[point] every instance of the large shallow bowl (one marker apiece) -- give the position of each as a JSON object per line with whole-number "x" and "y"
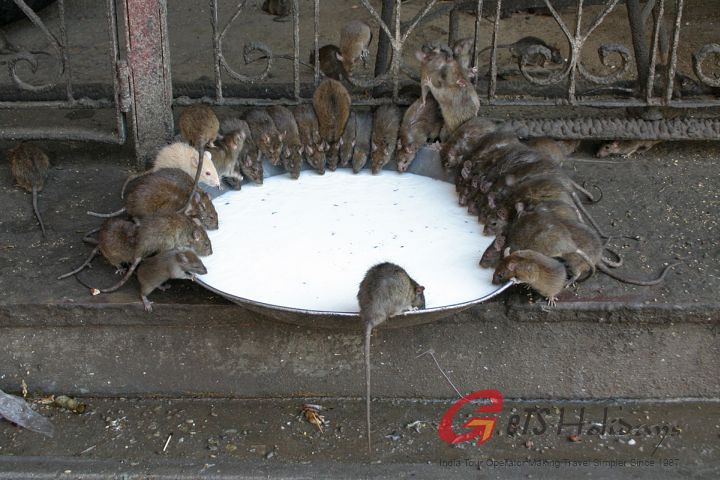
{"x": 426, "y": 164}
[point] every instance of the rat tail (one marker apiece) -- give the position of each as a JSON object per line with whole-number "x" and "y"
{"x": 37, "y": 211}
{"x": 88, "y": 239}
{"x": 585, "y": 192}
{"x": 368, "y": 335}
{"x": 84, "y": 264}
{"x": 130, "y": 179}
{"x": 198, "y": 172}
{"x": 125, "y": 278}
{"x": 633, "y": 281}
{"x": 587, "y": 215}
{"x": 107, "y": 215}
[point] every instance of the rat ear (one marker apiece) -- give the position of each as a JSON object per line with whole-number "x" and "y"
{"x": 373, "y": 147}
{"x": 399, "y": 145}
{"x": 309, "y": 150}
{"x": 181, "y": 257}
{"x": 512, "y": 266}
{"x": 461, "y": 82}
{"x": 196, "y": 221}
{"x": 419, "y": 289}
{"x": 506, "y": 252}
{"x": 197, "y": 234}
{"x": 421, "y": 54}
{"x": 338, "y": 56}
{"x": 207, "y": 156}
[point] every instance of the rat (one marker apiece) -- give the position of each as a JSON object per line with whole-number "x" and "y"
{"x": 309, "y": 131}
{"x": 355, "y": 38}
{"x": 362, "y": 148}
{"x": 280, "y": 8}
{"x": 225, "y": 157}
{"x": 116, "y": 242}
{"x": 347, "y": 142}
{"x": 558, "y": 150}
{"x": 154, "y": 271}
{"x": 250, "y": 163}
{"x": 464, "y": 140}
{"x": 544, "y": 274}
{"x": 489, "y": 149}
{"x": 292, "y": 151}
{"x": 200, "y": 127}
{"x": 29, "y": 166}
{"x": 163, "y": 192}
{"x": 386, "y": 123}
{"x": 462, "y": 50}
{"x": 267, "y": 137}
{"x": 161, "y": 233}
{"x": 625, "y": 148}
{"x": 420, "y": 123}
{"x": 331, "y": 102}
{"x": 385, "y": 291}
{"x": 520, "y": 47}
{"x": 443, "y": 76}
{"x": 330, "y": 62}
{"x": 183, "y": 156}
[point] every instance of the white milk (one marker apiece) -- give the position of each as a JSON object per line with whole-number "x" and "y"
{"x": 307, "y": 243}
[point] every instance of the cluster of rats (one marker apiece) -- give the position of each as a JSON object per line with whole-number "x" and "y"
{"x": 545, "y": 237}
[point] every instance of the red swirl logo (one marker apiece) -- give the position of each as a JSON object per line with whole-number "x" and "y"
{"x": 481, "y": 427}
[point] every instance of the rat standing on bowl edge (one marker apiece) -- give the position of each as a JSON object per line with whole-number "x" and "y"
{"x": 153, "y": 272}
{"x": 29, "y": 166}
{"x": 387, "y": 290}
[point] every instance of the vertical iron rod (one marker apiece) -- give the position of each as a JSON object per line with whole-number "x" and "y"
{"x": 382, "y": 58}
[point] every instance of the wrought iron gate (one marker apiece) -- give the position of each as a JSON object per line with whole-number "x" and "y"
{"x": 659, "y": 96}
{"x": 58, "y": 90}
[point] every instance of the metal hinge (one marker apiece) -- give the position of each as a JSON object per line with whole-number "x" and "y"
{"x": 123, "y": 76}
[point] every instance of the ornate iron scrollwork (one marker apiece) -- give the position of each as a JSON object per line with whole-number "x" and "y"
{"x": 711, "y": 49}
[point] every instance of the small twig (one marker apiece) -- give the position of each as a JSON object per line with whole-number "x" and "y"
{"x": 167, "y": 442}
{"x": 88, "y": 449}
{"x": 659, "y": 443}
{"x": 432, "y": 354}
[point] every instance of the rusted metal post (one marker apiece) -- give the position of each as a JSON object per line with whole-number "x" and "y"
{"x": 637, "y": 29}
{"x": 151, "y": 87}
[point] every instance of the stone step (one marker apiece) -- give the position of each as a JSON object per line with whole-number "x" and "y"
{"x": 225, "y": 438}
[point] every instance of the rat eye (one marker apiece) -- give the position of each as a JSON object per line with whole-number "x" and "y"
{"x": 207, "y": 174}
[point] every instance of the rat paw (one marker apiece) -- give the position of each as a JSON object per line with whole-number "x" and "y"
{"x": 164, "y": 287}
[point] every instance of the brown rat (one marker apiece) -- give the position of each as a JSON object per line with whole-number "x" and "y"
{"x": 183, "y": 156}
{"x": 293, "y": 149}
{"x": 556, "y": 149}
{"x": 385, "y": 291}
{"x": 420, "y": 123}
{"x": 347, "y": 143}
{"x": 200, "y": 127}
{"x": 363, "y": 140}
{"x": 330, "y": 64}
{"x": 267, "y": 137}
{"x": 29, "y": 166}
{"x": 386, "y": 123}
{"x": 443, "y": 76}
{"x": 463, "y": 52}
{"x": 331, "y": 102}
{"x": 309, "y": 131}
{"x": 161, "y": 233}
{"x": 225, "y": 156}
{"x": 355, "y": 38}
{"x": 280, "y": 8}
{"x": 625, "y": 148}
{"x": 464, "y": 140}
{"x": 545, "y": 275}
{"x": 522, "y": 46}
{"x": 250, "y": 161}
{"x": 166, "y": 191}
{"x": 116, "y": 242}
{"x": 154, "y": 271}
